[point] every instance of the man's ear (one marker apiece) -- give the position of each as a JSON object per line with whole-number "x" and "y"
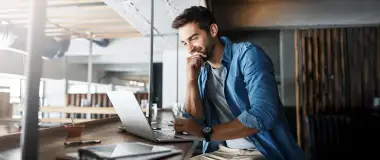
{"x": 214, "y": 30}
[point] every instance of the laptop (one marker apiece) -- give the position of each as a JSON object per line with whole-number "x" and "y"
{"x": 135, "y": 122}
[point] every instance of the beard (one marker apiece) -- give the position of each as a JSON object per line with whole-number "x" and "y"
{"x": 207, "y": 52}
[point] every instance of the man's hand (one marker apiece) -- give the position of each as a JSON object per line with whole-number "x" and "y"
{"x": 194, "y": 64}
{"x": 188, "y": 126}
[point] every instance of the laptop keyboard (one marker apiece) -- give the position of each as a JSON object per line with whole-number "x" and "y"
{"x": 160, "y": 135}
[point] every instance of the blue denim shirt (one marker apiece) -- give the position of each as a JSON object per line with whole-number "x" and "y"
{"x": 252, "y": 95}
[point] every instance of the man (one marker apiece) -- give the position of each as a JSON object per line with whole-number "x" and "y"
{"x": 232, "y": 99}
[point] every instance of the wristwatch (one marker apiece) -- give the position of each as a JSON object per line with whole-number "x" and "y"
{"x": 207, "y": 131}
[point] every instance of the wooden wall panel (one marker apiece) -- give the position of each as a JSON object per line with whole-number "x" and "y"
{"x": 298, "y": 88}
{"x": 309, "y": 73}
{"x": 316, "y": 70}
{"x": 323, "y": 86}
{"x": 304, "y": 87}
{"x": 336, "y": 74}
{"x": 339, "y": 73}
{"x": 377, "y": 55}
{"x": 340, "y": 68}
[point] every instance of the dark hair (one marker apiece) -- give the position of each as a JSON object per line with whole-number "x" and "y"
{"x": 195, "y": 14}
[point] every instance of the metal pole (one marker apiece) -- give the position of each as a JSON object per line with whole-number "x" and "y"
{"x": 151, "y": 62}
{"x": 65, "y": 65}
{"x": 89, "y": 73}
{"x": 65, "y": 68}
{"x": 177, "y": 70}
{"x": 29, "y": 136}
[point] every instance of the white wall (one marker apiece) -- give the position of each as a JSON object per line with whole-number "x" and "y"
{"x": 121, "y": 58}
{"x": 134, "y": 45}
{"x": 55, "y": 95}
{"x": 14, "y": 63}
{"x": 55, "y": 92}
{"x": 170, "y": 77}
{"x": 287, "y": 63}
{"x": 298, "y": 13}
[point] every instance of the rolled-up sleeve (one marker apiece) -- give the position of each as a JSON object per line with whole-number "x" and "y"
{"x": 260, "y": 82}
{"x": 198, "y": 121}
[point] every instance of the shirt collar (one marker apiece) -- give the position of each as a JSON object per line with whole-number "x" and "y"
{"x": 227, "y": 53}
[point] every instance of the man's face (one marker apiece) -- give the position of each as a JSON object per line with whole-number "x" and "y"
{"x": 196, "y": 40}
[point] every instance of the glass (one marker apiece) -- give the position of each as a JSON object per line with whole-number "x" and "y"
{"x": 144, "y": 106}
{"x": 154, "y": 108}
{"x": 178, "y": 110}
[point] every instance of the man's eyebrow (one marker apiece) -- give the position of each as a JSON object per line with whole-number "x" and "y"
{"x": 195, "y": 34}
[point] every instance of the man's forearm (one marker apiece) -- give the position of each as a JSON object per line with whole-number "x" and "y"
{"x": 232, "y": 130}
{"x": 194, "y": 104}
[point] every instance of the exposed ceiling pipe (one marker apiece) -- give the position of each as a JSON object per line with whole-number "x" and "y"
{"x": 13, "y": 38}
{"x": 98, "y": 41}
{"x": 78, "y": 5}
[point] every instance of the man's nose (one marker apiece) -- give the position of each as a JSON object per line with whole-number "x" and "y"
{"x": 190, "y": 48}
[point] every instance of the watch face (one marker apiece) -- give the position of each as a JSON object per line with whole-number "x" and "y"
{"x": 207, "y": 130}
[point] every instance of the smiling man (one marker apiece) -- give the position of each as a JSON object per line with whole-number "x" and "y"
{"x": 232, "y": 99}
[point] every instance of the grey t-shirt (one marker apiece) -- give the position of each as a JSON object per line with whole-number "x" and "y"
{"x": 215, "y": 93}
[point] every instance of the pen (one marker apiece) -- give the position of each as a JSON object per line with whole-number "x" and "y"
{"x": 82, "y": 142}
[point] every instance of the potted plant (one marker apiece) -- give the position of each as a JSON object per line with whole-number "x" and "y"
{"x": 72, "y": 129}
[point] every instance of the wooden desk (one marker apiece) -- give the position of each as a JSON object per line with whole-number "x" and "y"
{"x": 52, "y": 139}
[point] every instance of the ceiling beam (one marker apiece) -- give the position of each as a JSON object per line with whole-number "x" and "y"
{"x": 62, "y": 14}
{"x": 93, "y": 29}
{"x": 22, "y": 6}
{"x": 72, "y": 18}
{"x": 76, "y": 19}
{"x": 113, "y": 35}
{"x": 86, "y": 25}
{"x": 94, "y": 33}
{"x": 73, "y": 35}
{"x": 56, "y": 12}
{"x": 109, "y": 59}
{"x": 91, "y": 25}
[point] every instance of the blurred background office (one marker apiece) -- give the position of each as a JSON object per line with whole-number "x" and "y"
{"x": 326, "y": 56}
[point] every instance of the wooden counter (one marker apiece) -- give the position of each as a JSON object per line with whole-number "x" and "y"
{"x": 52, "y": 139}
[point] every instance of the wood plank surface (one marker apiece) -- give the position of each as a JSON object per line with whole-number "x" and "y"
{"x": 309, "y": 75}
{"x": 94, "y": 110}
{"x": 377, "y": 74}
{"x": 330, "y": 104}
{"x": 316, "y": 70}
{"x": 323, "y": 70}
{"x": 298, "y": 91}
{"x": 336, "y": 75}
{"x": 52, "y": 139}
{"x": 343, "y": 66}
